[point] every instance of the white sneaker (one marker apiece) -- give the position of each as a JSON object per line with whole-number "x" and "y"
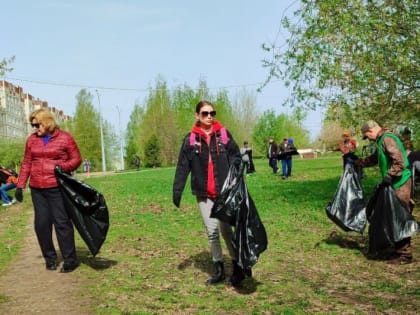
{"x": 6, "y": 204}
{"x": 13, "y": 201}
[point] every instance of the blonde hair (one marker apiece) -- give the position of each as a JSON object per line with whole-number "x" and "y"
{"x": 45, "y": 118}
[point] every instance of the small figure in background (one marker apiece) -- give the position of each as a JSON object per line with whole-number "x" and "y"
{"x": 246, "y": 153}
{"x": 272, "y": 154}
{"x": 348, "y": 147}
{"x": 7, "y": 181}
{"x": 137, "y": 162}
{"x": 86, "y": 167}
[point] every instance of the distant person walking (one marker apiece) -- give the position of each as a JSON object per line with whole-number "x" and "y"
{"x": 272, "y": 154}
{"x": 137, "y": 162}
{"x": 86, "y": 167}
{"x": 286, "y": 149}
{"x": 246, "y": 153}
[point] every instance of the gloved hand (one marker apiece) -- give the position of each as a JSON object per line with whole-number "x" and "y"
{"x": 19, "y": 194}
{"x": 386, "y": 181}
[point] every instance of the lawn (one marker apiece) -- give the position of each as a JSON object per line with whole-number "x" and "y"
{"x": 156, "y": 258}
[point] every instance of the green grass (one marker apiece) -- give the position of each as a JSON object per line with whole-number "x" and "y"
{"x": 156, "y": 258}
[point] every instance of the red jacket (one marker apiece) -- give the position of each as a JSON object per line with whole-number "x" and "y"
{"x": 40, "y": 159}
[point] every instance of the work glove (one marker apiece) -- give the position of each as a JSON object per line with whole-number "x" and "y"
{"x": 386, "y": 181}
{"x": 19, "y": 194}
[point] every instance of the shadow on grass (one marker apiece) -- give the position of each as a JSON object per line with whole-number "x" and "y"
{"x": 97, "y": 263}
{"x": 346, "y": 241}
{"x": 203, "y": 262}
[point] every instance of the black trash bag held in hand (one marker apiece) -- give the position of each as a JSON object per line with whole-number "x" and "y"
{"x": 228, "y": 202}
{"x": 235, "y": 206}
{"x": 389, "y": 221}
{"x": 347, "y": 209}
{"x": 87, "y": 209}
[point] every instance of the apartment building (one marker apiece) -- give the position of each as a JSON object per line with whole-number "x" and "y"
{"x": 15, "y": 108}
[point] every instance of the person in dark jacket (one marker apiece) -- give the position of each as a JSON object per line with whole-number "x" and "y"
{"x": 394, "y": 167}
{"x": 47, "y": 147}
{"x": 207, "y": 153}
{"x": 272, "y": 154}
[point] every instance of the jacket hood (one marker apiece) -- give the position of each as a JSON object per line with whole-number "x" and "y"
{"x": 216, "y": 126}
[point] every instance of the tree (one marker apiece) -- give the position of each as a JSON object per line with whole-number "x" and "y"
{"x": 133, "y": 147}
{"x": 152, "y": 154}
{"x": 4, "y": 65}
{"x": 360, "y": 53}
{"x": 86, "y": 130}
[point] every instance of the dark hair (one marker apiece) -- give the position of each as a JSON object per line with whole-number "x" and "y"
{"x": 201, "y": 104}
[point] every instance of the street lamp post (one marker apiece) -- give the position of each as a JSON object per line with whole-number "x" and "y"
{"x": 102, "y": 134}
{"x": 121, "y": 140}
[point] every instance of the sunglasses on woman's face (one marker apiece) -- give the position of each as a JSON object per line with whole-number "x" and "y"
{"x": 206, "y": 113}
{"x": 35, "y": 125}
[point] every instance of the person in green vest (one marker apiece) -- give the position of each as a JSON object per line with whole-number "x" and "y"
{"x": 394, "y": 167}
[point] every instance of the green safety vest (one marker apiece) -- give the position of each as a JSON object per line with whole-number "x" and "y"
{"x": 385, "y": 162}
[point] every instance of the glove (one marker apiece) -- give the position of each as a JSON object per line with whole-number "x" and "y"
{"x": 19, "y": 194}
{"x": 386, "y": 181}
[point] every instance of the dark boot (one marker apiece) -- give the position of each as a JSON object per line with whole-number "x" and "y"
{"x": 238, "y": 274}
{"x": 219, "y": 273}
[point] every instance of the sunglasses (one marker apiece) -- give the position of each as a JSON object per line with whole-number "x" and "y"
{"x": 35, "y": 125}
{"x": 206, "y": 113}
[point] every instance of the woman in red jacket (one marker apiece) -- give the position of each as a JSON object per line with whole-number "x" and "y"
{"x": 47, "y": 147}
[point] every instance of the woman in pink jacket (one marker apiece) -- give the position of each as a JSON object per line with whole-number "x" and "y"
{"x": 47, "y": 147}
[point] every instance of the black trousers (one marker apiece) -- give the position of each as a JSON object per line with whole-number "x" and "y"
{"x": 50, "y": 211}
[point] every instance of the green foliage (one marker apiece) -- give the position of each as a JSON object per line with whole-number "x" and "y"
{"x": 279, "y": 127}
{"x": 85, "y": 128}
{"x": 5, "y": 65}
{"x": 152, "y": 152}
{"x": 132, "y": 138}
{"x": 11, "y": 153}
{"x": 169, "y": 115}
{"x": 359, "y": 55}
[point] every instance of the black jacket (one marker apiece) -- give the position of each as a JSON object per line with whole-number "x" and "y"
{"x": 195, "y": 159}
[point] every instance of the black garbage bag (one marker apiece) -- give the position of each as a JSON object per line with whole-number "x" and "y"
{"x": 389, "y": 221}
{"x": 87, "y": 209}
{"x": 348, "y": 207}
{"x": 236, "y": 207}
{"x": 231, "y": 196}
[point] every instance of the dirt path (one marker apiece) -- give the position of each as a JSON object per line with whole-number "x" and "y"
{"x": 31, "y": 289}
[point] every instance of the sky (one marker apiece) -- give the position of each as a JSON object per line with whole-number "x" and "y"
{"x": 117, "y": 49}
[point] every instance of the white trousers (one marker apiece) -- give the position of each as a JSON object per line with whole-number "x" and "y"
{"x": 213, "y": 226}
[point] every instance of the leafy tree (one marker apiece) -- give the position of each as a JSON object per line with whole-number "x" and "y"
{"x": 244, "y": 107}
{"x": 265, "y": 127}
{"x": 133, "y": 134}
{"x": 11, "y": 152}
{"x": 85, "y": 127}
{"x": 152, "y": 153}
{"x": 355, "y": 53}
{"x": 159, "y": 120}
{"x": 5, "y": 65}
